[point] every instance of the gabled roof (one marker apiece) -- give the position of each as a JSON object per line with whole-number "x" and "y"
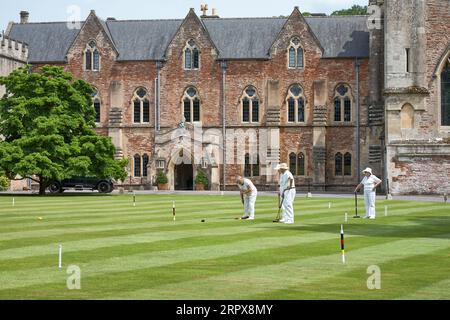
{"x": 142, "y": 39}
{"x": 342, "y": 36}
{"x": 244, "y": 38}
{"x": 235, "y": 38}
{"x": 48, "y": 42}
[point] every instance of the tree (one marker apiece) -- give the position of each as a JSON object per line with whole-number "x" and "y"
{"x": 355, "y": 10}
{"x": 47, "y": 121}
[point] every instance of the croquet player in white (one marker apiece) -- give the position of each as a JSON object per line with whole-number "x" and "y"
{"x": 287, "y": 193}
{"x": 370, "y": 183}
{"x": 248, "y": 196}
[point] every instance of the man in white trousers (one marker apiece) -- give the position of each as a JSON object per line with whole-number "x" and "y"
{"x": 287, "y": 193}
{"x": 370, "y": 182}
{"x": 248, "y": 197}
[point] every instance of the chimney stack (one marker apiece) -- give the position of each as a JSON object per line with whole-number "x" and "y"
{"x": 24, "y": 17}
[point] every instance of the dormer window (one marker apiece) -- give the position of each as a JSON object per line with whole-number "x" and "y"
{"x": 191, "y": 56}
{"x": 295, "y": 54}
{"x": 92, "y": 57}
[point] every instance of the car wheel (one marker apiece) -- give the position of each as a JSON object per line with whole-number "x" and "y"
{"x": 104, "y": 187}
{"x": 55, "y": 187}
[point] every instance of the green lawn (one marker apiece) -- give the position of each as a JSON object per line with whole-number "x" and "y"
{"x": 127, "y": 252}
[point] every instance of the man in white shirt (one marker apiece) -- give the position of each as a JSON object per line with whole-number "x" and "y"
{"x": 248, "y": 197}
{"x": 287, "y": 193}
{"x": 370, "y": 183}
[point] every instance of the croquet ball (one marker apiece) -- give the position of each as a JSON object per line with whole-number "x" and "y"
{"x": 203, "y": 220}
{"x": 40, "y": 218}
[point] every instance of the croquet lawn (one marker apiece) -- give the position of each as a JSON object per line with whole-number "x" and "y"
{"x": 139, "y": 252}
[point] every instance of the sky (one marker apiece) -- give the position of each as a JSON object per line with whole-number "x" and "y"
{"x": 69, "y": 10}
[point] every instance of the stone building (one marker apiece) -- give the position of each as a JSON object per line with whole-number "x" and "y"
{"x": 417, "y": 95}
{"x": 328, "y": 95}
{"x": 13, "y": 55}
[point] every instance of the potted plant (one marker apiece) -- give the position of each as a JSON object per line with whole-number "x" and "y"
{"x": 162, "y": 181}
{"x": 201, "y": 180}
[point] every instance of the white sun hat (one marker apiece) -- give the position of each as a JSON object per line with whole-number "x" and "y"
{"x": 282, "y": 166}
{"x": 369, "y": 170}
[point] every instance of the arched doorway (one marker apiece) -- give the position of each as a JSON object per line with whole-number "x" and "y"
{"x": 184, "y": 177}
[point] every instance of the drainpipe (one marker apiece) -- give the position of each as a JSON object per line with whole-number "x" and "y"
{"x": 358, "y": 146}
{"x": 223, "y": 65}
{"x": 158, "y": 97}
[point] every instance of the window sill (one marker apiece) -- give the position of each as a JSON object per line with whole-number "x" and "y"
{"x": 293, "y": 124}
{"x": 343, "y": 123}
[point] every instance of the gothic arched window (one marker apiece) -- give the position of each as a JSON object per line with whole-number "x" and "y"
{"x": 342, "y": 103}
{"x": 295, "y": 54}
{"x": 297, "y": 163}
{"x": 145, "y": 160}
{"x": 191, "y": 56}
{"x": 338, "y": 164}
{"x": 296, "y": 104}
{"x": 141, "y": 106}
{"x": 191, "y": 105}
{"x": 250, "y": 105}
{"x": 92, "y": 57}
{"x": 251, "y": 166}
{"x": 137, "y": 165}
{"x": 347, "y": 164}
{"x": 97, "y": 106}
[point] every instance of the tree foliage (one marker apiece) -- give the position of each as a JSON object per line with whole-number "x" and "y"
{"x": 4, "y": 183}
{"x": 47, "y": 121}
{"x": 355, "y": 10}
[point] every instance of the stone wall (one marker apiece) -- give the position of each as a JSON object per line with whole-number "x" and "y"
{"x": 417, "y": 155}
{"x": 13, "y": 55}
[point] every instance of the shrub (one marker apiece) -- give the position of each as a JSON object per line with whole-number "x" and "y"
{"x": 201, "y": 178}
{"x": 161, "y": 177}
{"x": 4, "y": 183}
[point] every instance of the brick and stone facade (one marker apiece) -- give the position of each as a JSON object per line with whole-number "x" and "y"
{"x": 366, "y": 61}
{"x": 418, "y": 145}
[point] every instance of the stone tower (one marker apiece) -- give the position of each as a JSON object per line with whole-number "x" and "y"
{"x": 13, "y": 55}
{"x": 417, "y": 41}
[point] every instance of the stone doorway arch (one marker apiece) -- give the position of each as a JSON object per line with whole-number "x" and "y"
{"x": 181, "y": 170}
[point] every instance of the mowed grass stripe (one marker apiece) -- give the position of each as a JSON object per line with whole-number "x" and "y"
{"x": 106, "y": 242}
{"x": 140, "y": 228}
{"x": 116, "y": 215}
{"x": 50, "y": 206}
{"x": 398, "y": 277}
{"x": 409, "y": 220}
{"x": 293, "y": 273}
{"x": 39, "y": 237}
{"x": 21, "y": 278}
